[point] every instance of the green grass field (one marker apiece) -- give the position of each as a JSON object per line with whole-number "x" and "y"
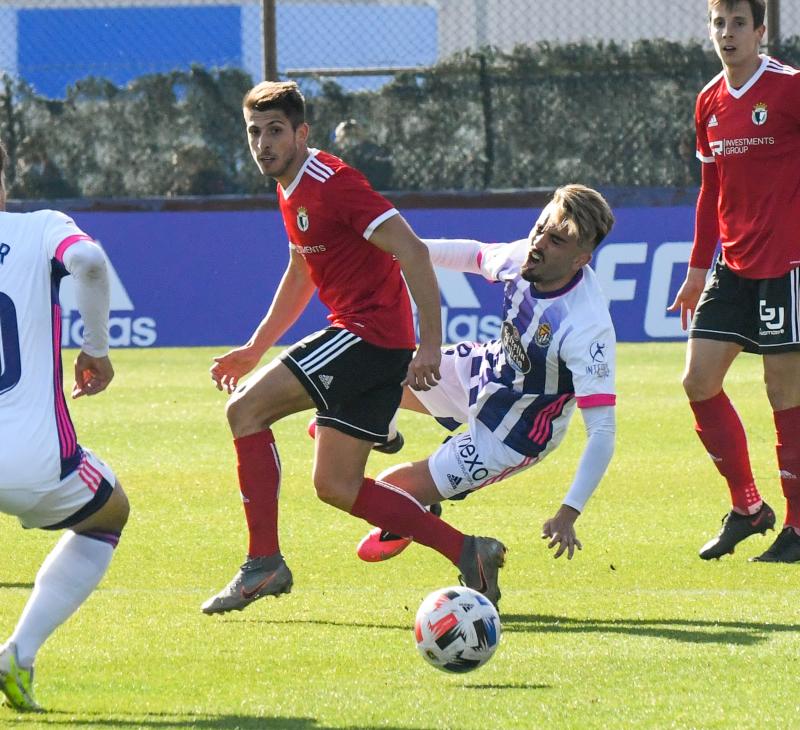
{"x": 635, "y": 632}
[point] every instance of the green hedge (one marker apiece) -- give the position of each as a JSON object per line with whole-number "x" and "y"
{"x": 605, "y": 115}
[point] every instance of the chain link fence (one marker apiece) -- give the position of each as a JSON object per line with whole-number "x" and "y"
{"x": 142, "y": 97}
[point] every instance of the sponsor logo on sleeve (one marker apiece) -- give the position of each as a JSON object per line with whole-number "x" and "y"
{"x": 598, "y": 366}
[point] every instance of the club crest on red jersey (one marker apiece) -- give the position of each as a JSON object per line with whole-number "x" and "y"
{"x": 302, "y": 219}
{"x": 759, "y": 113}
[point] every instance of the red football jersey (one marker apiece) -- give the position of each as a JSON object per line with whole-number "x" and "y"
{"x": 752, "y": 136}
{"x": 330, "y": 211}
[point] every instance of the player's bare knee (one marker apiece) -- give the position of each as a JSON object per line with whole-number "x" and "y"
{"x": 335, "y": 492}
{"x": 782, "y": 395}
{"x": 245, "y": 415}
{"x": 697, "y": 387}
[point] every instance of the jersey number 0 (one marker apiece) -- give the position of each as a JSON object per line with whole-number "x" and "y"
{"x": 10, "y": 365}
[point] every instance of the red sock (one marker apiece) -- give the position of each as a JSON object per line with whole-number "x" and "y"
{"x": 787, "y": 426}
{"x": 720, "y": 429}
{"x": 394, "y": 510}
{"x": 259, "y": 470}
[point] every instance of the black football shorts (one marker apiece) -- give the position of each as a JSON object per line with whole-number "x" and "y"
{"x": 759, "y": 314}
{"x": 355, "y": 385}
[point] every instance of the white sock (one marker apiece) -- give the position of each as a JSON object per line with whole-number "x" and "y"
{"x": 67, "y": 577}
{"x": 393, "y": 426}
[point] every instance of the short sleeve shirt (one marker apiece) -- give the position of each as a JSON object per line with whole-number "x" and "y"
{"x": 330, "y": 211}
{"x": 752, "y": 136}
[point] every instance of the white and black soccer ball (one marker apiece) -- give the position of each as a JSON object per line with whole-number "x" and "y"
{"x": 457, "y": 629}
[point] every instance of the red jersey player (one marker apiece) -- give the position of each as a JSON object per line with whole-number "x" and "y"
{"x": 748, "y": 139}
{"x": 350, "y": 244}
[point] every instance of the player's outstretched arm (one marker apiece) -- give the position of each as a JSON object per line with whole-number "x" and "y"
{"x": 396, "y": 237}
{"x": 291, "y": 298}
{"x": 600, "y": 425}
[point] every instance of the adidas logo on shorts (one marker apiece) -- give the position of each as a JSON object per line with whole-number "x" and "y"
{"x": 326, "y": 380}
{"x": 454, "y": 480}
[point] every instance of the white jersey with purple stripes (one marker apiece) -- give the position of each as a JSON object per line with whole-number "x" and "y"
{"x": 38, "y": 439}
{"x": 556, "y": 350}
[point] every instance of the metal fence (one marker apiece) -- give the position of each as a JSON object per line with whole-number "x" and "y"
{"x": 341, "y": 51}
{"x": 53, "y": 43}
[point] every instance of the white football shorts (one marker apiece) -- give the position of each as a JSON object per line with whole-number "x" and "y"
{"x": 48, "y": 504}
{"x": 476, "y": 457}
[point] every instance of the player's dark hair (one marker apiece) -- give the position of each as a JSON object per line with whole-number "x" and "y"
{"x": 758, "y": 7}
{"x": 282, "y": 95}
{"x": 585, "y": 211}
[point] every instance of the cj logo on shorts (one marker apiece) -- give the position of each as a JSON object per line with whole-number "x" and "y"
{"x": 771, "y": 317}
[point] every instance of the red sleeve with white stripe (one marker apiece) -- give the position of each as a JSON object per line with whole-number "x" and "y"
{"x": 357, "y": 204}
{"x": 706, "y": 219}
{"x": 706, "y": 222}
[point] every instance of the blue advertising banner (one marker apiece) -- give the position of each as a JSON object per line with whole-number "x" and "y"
{"x": 186, "y": 278}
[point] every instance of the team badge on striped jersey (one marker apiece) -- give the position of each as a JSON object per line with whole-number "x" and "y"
{"x": 302, "y": 219}
{"x": 759, "y": 113}
{"x": 544, "y": 333}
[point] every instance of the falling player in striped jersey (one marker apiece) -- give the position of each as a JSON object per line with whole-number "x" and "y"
{"x": 349, "y": 244}
{"x": 747, "y": 121}
{"x": 47, "y": 480}
{"x": 516, "y": 394}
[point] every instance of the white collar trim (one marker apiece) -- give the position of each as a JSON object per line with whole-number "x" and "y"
{"x": 739, "y": 93}
{"x": 312, "y": 153}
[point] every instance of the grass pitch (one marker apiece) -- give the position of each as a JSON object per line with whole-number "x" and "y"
{"x": 635, "y": 632}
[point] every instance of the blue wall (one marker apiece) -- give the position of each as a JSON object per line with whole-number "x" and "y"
{"x": 56, "y": 47}
{"x": 207, "y": 278}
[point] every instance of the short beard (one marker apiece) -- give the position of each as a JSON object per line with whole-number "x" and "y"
{"x": 527, "y": 273}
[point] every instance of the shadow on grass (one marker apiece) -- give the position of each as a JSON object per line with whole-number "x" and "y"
{"x": 319, "y": 622}
{"x": 686, "y": 630}
{"x": 180, "y": 720}
{"x": 16, "y": 585}
{"x": 697, "y": 631}
{"x": 508, "y": 685}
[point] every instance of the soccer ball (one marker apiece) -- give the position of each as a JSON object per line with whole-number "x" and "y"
{"x": 457, "y": 629}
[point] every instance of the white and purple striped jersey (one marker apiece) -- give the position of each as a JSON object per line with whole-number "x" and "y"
{"x": 39, "y": 445}
{"x": 556, "y": 350}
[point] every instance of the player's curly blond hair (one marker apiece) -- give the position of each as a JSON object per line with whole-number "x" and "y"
{"x": 585, "y": 212}
{"x": 282, "y": 95}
